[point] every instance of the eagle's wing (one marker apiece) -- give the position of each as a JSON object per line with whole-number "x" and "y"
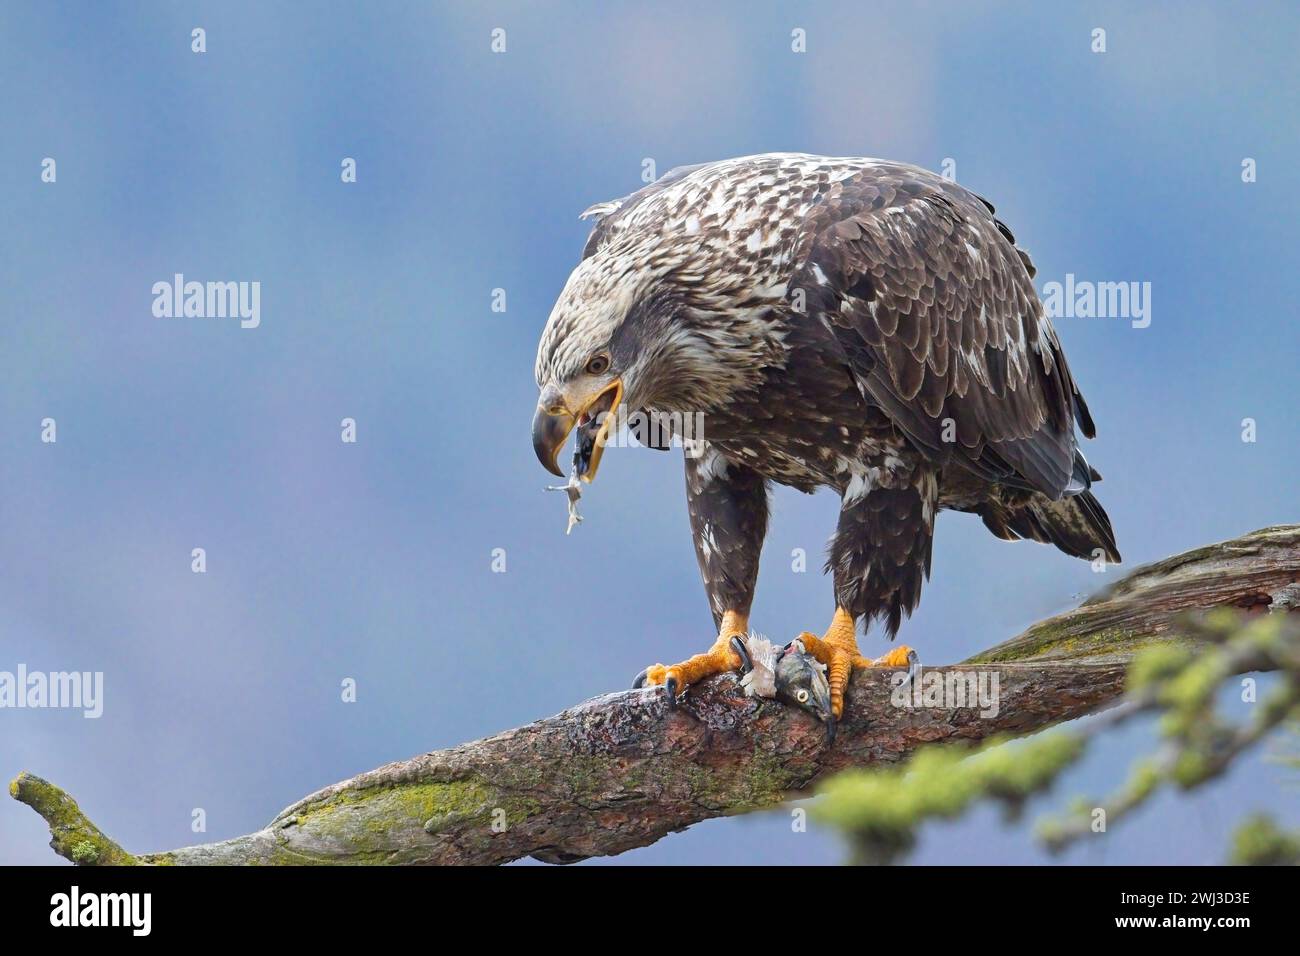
{"x": 934, "y": 307}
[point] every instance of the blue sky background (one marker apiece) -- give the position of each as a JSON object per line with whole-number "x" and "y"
{"x": 373, "y": 560}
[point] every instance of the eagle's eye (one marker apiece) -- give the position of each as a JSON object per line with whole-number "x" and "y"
{"x": 801, "y": 696}
{"x": 597, "y": 364}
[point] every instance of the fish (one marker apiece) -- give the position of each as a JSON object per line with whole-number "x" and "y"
{"x": 583, "y": 447}
{"x": 788, "y": 674}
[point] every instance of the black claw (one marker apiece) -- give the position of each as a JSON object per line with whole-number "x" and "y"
{"x": 913, "y": 665}
{"x": 639, "y": 681}
{"x": 831, "y": 725}
{"x": 741, "y": 651}
{"x": 670, "y": 685}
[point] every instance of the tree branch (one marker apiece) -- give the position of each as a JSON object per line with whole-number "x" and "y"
{"x": 622, "y": 770}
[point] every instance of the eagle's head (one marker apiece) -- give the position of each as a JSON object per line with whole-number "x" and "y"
{"x": 623, "y": 334}
{"x": 583, "y": 362}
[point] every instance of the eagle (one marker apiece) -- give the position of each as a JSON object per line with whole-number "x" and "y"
{"x": 851, "y": 323}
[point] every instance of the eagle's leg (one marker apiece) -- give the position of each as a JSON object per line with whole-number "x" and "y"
{"x": 727, "y": 502}
{"x": 879, "y": 557}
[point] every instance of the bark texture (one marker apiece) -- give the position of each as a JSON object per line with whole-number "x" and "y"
{"x": 623, "y": 770}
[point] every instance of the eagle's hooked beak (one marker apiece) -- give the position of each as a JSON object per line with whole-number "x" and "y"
{"x": 558, "y": 413}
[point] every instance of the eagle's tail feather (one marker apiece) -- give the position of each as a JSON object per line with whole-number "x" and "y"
{"x": 1078, "y": 525}
{"x": 1082, "y": 475}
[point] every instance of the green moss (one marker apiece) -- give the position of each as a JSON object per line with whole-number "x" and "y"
{"x": 1143, "y": 782}
{"x": 767, "y": 779}
{"x": 85, "y": 853}
{"x": 1190, "y": 769}
{"x": 1015, "y": 772}
{"x": 1051, "y": 832}
{"x": 1193, "y": 687}
{"x": 1033, "y": 642}
{"x": 892, "y": 802}
{"x": 378, "y": 810}
{"x": 762, "y": 781}
{"x": 376, "y": 825}
{"x": 72, "y": 835}
{"x": 1157, "y": 663}
{"x": 1258, "y": 841}
{"x": 881, "y": 810}
{"x": 1072, "y": 640}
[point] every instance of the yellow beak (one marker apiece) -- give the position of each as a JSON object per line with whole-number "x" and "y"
{"x": 554, "y": 420}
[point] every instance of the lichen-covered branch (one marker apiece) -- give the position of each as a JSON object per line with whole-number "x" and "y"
{"x": 72, "y": 835}
{"x": 881, "y": 812}
{"x": 623, "y": 770}
{"x": 1198, "y": 743}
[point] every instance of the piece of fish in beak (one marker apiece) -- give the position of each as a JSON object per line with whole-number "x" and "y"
{"x": 586, "y": 444}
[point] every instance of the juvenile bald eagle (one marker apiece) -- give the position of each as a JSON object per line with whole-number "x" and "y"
{"x": 857, "y": 324}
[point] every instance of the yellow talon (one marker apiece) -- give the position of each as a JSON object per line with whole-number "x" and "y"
{"x": 838, "y": 650}
{"x": 718, "y": 659}
{"x": 898, "y": 657}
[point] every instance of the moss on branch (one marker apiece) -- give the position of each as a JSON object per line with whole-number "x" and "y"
{"x": 72, "y": 835}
